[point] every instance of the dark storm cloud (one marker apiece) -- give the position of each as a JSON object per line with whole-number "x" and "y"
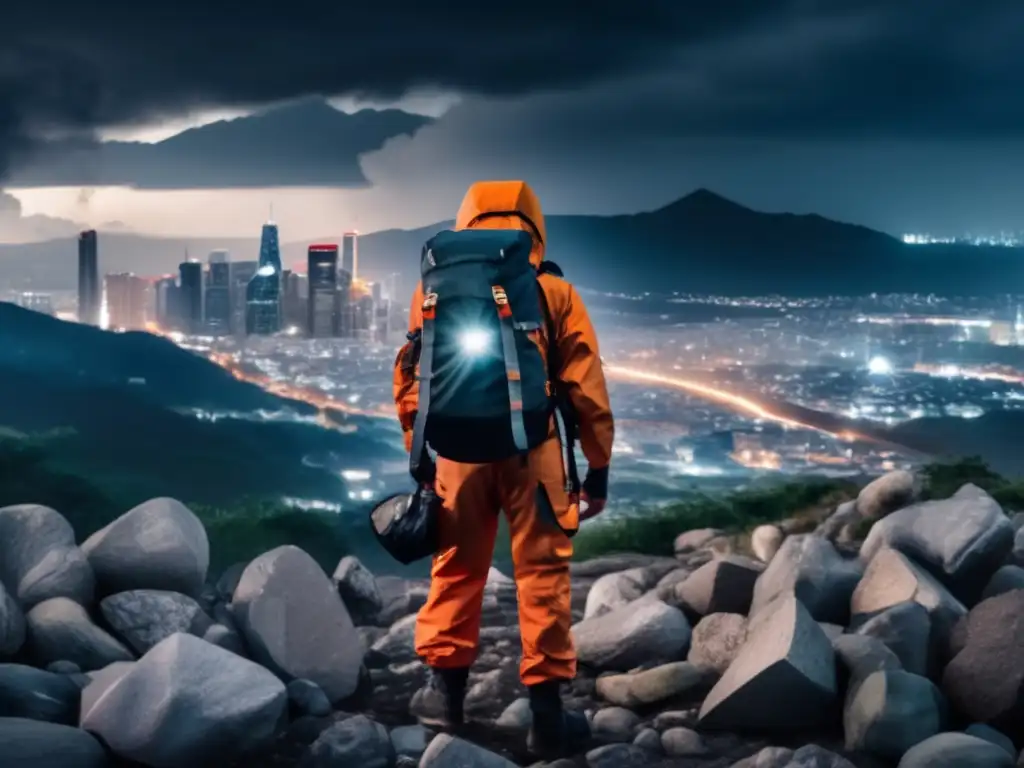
{"x": 640, "y": 70}
{"x": 73, "y": 65}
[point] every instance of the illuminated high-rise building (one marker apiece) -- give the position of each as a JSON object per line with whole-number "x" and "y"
{"x": 89, "y": 298}
{"x": 126, "y": 301}
{"x": 350, "y": 254}
{"x": 217, "y": 298}
{"x": 191, "y": 287}
{"x": 263, "y": 294}
{"x": 241, "y": 272}
{"x": 324, "y": 305}
{"x": 166, "y": 304}
{"x": 346, "y": 307}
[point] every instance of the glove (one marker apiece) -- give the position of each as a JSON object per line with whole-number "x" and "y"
{"x": 594, "y": 493}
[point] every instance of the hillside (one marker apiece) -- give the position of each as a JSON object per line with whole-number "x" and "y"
{"x": 69, "y": 352}
{"x": 115, "y": 400}
{"x": 994, "y": 436}
{"x": 701, "y": 243}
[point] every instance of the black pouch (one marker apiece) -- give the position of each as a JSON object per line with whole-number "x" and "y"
{"x": 406, "y": 525}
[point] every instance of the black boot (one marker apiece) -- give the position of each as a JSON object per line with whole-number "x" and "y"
{"x": 554, "y": 733}
{"x": 439, "y": 703}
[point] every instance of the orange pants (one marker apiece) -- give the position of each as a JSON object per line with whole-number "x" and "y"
{"x": 541, "y": 518}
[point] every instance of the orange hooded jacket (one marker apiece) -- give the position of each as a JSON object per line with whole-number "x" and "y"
{"x": 448, "y": 625}
{"x": 513, "y": 205}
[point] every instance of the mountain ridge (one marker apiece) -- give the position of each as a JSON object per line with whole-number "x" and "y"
{"x": 699, "y": 243}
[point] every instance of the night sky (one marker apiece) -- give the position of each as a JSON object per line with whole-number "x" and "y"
{"x": 899, "y": 114}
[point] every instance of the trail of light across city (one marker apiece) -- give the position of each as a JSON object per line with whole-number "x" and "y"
{"x": 730, "y": 400}
{"x": 616, "y": 372}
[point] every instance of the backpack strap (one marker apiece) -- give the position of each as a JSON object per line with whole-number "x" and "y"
{"x": 512, "y": 371}
{"x": 564, "y": 412}
{"x": 421, "y": 466}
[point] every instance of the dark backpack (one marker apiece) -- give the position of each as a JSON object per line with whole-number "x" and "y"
{"x": 484, "y": 393}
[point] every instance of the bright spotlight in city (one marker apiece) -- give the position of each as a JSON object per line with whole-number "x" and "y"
{"x": 474, "y": 341}
{"x": 879, "y": 366}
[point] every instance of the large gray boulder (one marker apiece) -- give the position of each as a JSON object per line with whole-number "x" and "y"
{"x": 446, "y": 751}
{"x": 906, "y": 629}
{"x": 963, "y": 539}
{"x": 614, "y": 590}
{"x": 678, "y": 680}
{"x": 890, "y": 712}
{"x": 724, "y": 585}
{"x": 985, "y": 680}
{"x": 12, "y": 624}
{"x": 766, "y": 541}
{"x": 888, "y": 493}
{"x": 956, "y": 750}
{"x": 295, "y": 623}
{"x": 144, "y": 617}
{"x": 891, "y": 579}
{"x": 359, "y": 591}
{"x": 860, "y": 656}
{"x": 769, "y": 757}
{"x": 35, "y": 744}
{"x": 1006, "y": 579}
{"x": 60, "y": 630}
{"x": 37, "y": 695}
{"x": 39, "y": 559}
{"x": 810, "y": 568}
{"x": 357, "y": 741}
{"x": 645, "y": 631}
{"x": 159, "y": 544}
{"x": 187, "y": 702}
{"x": 100, "y": 681}
{"x": 784, "y": 678}
{"x": 717, "y": 640}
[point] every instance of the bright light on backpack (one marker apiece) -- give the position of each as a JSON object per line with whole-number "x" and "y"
{"x": 474, "y": 341}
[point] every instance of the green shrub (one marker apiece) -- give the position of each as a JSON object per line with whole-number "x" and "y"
{"x": 942, "y": 480}
{"x": 654, "y": 532}
{"x": 252, "y": 527}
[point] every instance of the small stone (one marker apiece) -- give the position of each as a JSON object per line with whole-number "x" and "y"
{"x": 357, "y": 741}
{"x": 517, "y": 716}
{"x": 308, "y": 698}
{"x": 615, "y": 724}
{"x": 617, "y": 756}
{"x": 683, "y": 742}
{"x": 648, "y": 739}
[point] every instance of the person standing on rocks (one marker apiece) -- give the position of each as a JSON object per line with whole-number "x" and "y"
{"x": 502, "y": 363}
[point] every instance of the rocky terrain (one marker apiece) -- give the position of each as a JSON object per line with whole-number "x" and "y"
{"x": 781, "y": 649}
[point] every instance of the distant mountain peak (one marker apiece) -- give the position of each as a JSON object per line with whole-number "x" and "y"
{"x": 704, "y": 201}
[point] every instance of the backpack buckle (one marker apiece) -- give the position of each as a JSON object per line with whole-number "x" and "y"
{"x": 500, "y": 297}
{"x": 429, "y": 302}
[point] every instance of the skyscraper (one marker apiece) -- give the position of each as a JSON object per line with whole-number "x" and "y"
{"x": 350, "y": 253}
{"x": 126, "y": 301}
{"x": 191, "y": 282}
{"x": 241, "y": 273}
{"x": 324, "y": 308}
{"x": 263, "y": 294}
{"x": 168, "y": 315}
{"x": 346, "y": 307}
{"x": 218, "y": 294}
{"x": 89, "y": 298}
